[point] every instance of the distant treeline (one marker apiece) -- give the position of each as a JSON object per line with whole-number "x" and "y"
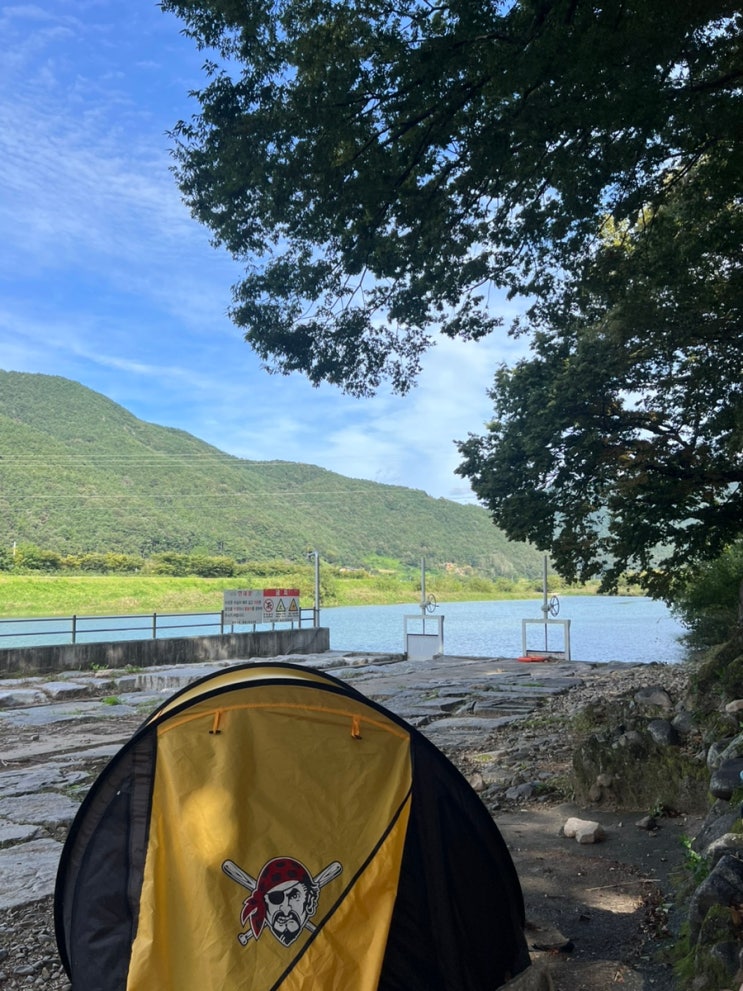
{"x": 28, "y": 558}
{"x": 38, "y": 582}
{"x": 381, "y": 578}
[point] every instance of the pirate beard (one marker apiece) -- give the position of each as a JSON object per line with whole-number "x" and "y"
{"x": 286, "y": 926}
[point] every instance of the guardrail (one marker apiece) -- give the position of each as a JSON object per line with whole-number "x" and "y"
{"x": 138, "y": 626}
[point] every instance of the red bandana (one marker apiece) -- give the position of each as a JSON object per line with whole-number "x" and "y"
{"x": 276, "y": 871}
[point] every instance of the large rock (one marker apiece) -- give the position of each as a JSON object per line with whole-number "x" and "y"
{"x": 727, "y": 778}
{"x": 663, "y": 733}
{"x": 720, "y": 819}
{"x": 583, "y": 830}
{"x": 731, "y": 843}
{"x": 716, "y": 753}
{"x": 723, "y": 886}
{"x": 653, "y": 697}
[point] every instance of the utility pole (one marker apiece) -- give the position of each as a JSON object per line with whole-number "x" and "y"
{"x": 316, "y": 607}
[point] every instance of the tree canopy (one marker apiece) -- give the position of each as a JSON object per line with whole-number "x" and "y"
{"x": 618, "y": 442}
{"x": 387, "y": 169}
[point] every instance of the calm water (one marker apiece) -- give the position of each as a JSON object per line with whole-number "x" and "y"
{"x": 602, "y": 628}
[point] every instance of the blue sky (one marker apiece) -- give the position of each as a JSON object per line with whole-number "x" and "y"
{"x": 106, "y": 279}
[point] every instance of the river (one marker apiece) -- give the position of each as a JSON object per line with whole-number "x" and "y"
{"x": 602, "y": 628}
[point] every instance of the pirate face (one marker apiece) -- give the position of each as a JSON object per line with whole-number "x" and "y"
{"x": 288, "y": 907}
{"x": 284, "y": 897}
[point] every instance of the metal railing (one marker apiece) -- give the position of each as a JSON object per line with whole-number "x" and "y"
{"x": 138, "y": 626}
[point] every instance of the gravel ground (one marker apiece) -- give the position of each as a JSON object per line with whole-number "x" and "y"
{"x": 28, "y": 949}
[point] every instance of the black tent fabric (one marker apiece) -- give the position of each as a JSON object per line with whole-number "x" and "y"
{"x": 268, "y": 827}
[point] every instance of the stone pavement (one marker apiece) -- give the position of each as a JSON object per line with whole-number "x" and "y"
{"x": 56, "y": 736}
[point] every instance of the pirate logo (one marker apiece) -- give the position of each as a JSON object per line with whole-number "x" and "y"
{"x": 283, "y": 897}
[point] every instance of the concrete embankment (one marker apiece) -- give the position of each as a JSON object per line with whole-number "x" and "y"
{"x": 50, "y": 658}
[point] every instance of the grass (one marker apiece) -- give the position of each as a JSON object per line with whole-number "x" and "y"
{"x": 31, "y": 595}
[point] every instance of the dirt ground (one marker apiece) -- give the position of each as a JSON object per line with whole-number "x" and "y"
{"x": 600, "y": 915}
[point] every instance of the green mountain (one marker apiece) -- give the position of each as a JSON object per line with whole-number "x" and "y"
{"x": 79, "y": 474}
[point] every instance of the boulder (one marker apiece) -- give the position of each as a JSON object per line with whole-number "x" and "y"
{"x": 727, "y": 778}
{"x": 654, "y": 696}
{"x": 731, "y": 843}
{"x": 663, "y": 733}
{"x": 715, "y": 753}
{"x": 723, "y": 886}
{"x": 719, "y": 820}
{"x": 583, "y": 830}
{"x": 683, "y": 723}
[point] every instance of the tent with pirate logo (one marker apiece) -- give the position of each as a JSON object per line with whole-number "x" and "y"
{"x": 270, "y": 827}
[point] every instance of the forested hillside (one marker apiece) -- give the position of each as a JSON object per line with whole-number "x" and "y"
{"x": 79, "y": 473}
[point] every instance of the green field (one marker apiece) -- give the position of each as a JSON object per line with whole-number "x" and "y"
{"x": 24, "y": 596}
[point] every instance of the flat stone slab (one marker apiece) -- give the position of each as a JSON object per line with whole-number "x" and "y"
{"x": 464, "y": 724}
{"x": 61, "y": 690}
{"x": 44, "y": 715}
{"x": 95, "y": 752}
{"x": 28, "y": 872}
{"x": 18, "y": 697}
{"x": 143, "y": 701}
{"x": 464, "y": 731}
{"x": 33, "y": 779}
{"x": 13, "y": 832}
{"x": 47, "y": 808}
{"x": 495, "y": 709}
{"x": 166, "y": 679}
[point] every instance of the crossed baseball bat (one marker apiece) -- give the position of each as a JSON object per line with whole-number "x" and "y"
{"x": 232, "y": 870}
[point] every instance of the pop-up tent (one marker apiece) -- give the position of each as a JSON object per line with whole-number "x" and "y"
{"x": 270, "y": 827}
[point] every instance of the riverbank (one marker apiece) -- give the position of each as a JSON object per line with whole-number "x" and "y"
{"x": 24, "y": 596}
{"x": 597, "y": 914}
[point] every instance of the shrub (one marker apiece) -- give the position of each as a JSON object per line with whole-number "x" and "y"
{"x": 32, "y": 558}
{"x": 709, "y": 602}
{"x": 211, "y": 567}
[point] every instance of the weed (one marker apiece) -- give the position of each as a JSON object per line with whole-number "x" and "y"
{"x": 696, "y": 865}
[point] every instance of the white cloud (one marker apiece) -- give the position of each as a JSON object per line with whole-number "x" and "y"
{"x": 108, "y": 281}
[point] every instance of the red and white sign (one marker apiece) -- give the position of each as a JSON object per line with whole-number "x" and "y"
{"x": 268, "y": 605}
{"x": 280, "y": 605}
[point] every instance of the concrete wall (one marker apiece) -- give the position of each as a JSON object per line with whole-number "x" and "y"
{"x": 146, "y": 653}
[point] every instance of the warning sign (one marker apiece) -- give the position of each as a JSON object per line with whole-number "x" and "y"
{"x": 268, "y": 605}
{"x": 243, "y": 605}
{"x": 280, "y": 605}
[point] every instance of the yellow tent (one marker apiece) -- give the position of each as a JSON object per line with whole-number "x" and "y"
{"x": 270, "y": 827}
